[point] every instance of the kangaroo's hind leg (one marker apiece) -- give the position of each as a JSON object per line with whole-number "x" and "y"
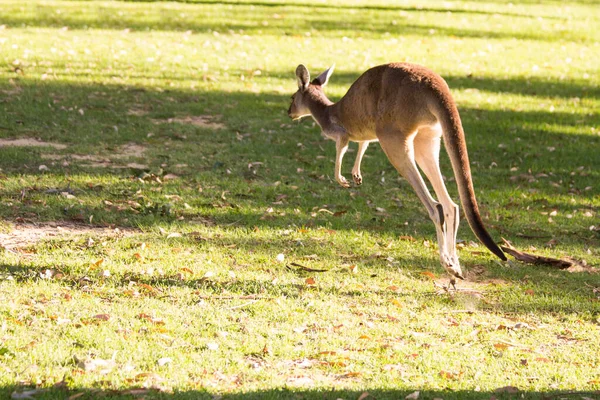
{"x": 400, "y": 150}
{"x": 427, "y": 144}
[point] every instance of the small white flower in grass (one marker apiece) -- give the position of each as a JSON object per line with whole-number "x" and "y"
{"x": 209, "y": 274}
{"x": 212, "y": 346}
{"x": 164, "y": 361}
{"x": 280, "y": 258}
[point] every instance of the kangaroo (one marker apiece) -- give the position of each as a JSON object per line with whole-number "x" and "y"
{"x": 408, "y": 109}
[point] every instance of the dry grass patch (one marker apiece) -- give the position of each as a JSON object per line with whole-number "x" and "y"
{"x": 201, "y": 121}
{"x": 127, "y": 151}
{"x": 23, "y": 235}
{"x": 30, "y": 142}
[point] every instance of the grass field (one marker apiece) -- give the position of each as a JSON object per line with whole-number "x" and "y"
{"x": 165, "y": 226}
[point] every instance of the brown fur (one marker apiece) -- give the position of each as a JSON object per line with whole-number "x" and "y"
{"x": 403, "y": 106}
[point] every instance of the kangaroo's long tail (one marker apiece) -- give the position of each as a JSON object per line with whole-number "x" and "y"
{"x": 454, "y": 139}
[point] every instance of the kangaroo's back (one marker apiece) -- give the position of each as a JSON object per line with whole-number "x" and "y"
{"x": 390, "y": 94}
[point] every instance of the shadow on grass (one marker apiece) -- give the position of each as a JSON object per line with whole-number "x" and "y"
{"x": 496, "y": 289}
{"x": 334, "y": 20}
{"x": 370, "y": 7}
{"x": 257, "y": 130}
{"x": 262, "y": 133}
{"x": 301, "y": 394}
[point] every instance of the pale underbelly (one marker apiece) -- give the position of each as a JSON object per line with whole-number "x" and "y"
{"x": 364, "y": 136}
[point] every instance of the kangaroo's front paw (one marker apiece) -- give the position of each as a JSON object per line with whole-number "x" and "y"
{"x": 342, "y": 181}
{"x": 357, "y": 178}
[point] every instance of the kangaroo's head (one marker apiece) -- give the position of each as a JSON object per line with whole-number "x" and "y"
{"x": 307, "y": 91}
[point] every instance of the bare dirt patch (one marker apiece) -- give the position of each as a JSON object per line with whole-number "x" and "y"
{"x": 30, "y": 142}
{"x": 202, "y": 121}
{"x": 130, "y": 150}
{"x": 24, "y": 235}
{"x": 13, "y": 91}
{"x": 115, "y": 161}
{"x": 137, "y": 111}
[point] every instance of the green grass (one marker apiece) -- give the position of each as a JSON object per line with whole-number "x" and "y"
{"x": 191, "y": 277}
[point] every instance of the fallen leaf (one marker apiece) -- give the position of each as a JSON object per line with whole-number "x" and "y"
{"x": 155, "y": 321}
{"x": 310, "y": 281}
{"x": 521, "y": 325}
{"x": 96, "y": 364}
{"x": 147, "y": 287}
{"x": 338, "y": 364}
{"x": 304, "y": 268}
{"x": 396, "y": 302}
{"x": 429, "y": 274}
{"x": 27, "y": 346}
{"x": 529, "y": 292}
{"x": 542, "y": 359}
{"x": 449, "y": 375}
{"x": 351, "y": 375}
{"x": 164, "y": 361}
{"x": 103, "y": 317}
{"x": 266, "y": 350}
{"x": 328, "y": 353}
{"x": 500, "y": 346}
{"x": 363, "y": 396}
{"x": 148, "y": 376}
{"x": 413, "y": 396}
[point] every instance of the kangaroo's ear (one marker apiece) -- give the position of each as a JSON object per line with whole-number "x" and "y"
{"x": 303, "y": 77}
{"x": 324, "y": 77}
